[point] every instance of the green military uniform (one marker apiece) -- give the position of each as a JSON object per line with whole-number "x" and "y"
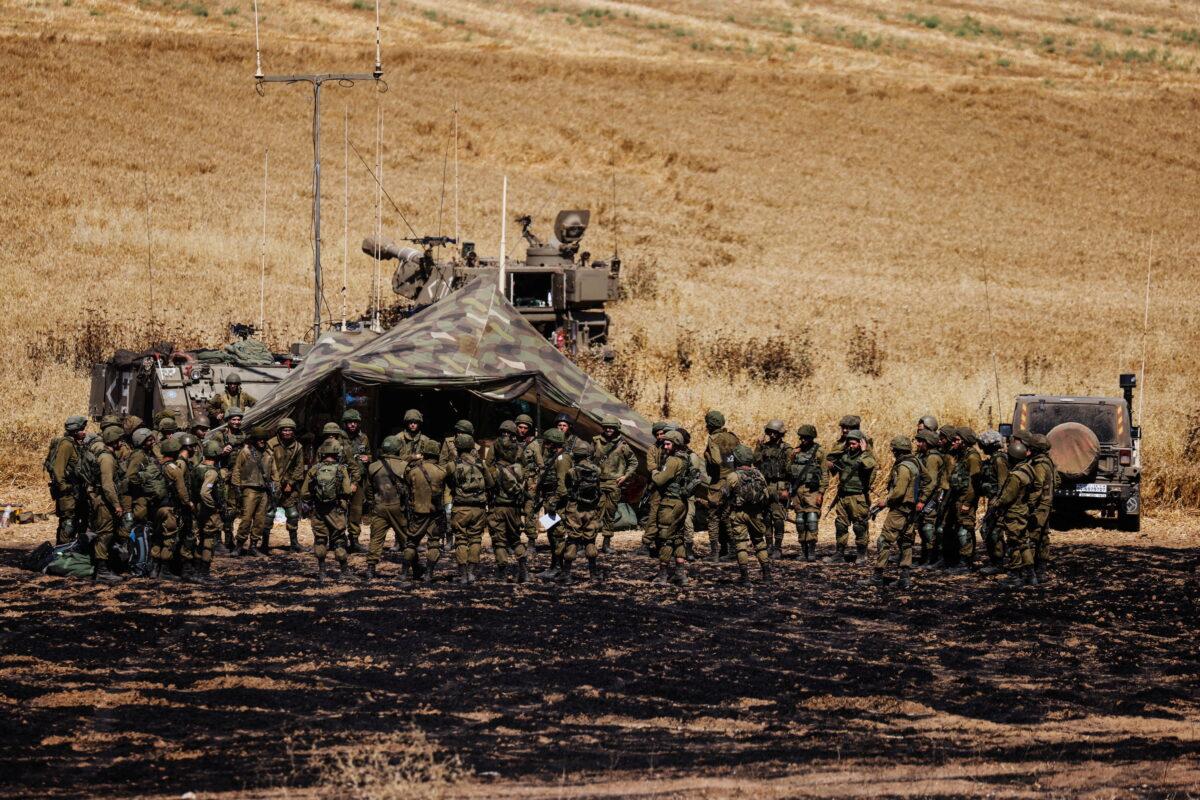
{"x": 66, "y": 489}
{"x": 357, "y": 457}
{"x": 1047, "y": 475}
{"x": 103, "y": 500}
{"x": 618, "y": 464}
{"x": 937, "y": 466}
{"x": 469, "y": 484}
{"x": 231, "y": 439}
{"x": 133, "y": 496}
{"x": 668, "y": 484}
{"x": 289, "y": 472}
{"x": 695, "y": 462}
{"x": 909, "y": 486}
{"x": 507, "y": 501}
{"x": 426, "y": 483}
{"x": 771, "y": 457}
{"x": 746, "y": 500}
{"x": 530, "y": 456}
{"x": 173, "y": 514}
{"x": 233, "y": 396}
{"x": 551, "y": 492}
{"x": 386, "y": 496}
{"x": 327, "y": 488}
{"x": 994, "y": 472}
{"x": 1015, "y": 504}
{"x": 654, "y": 459}
{"x": 581, "y": 516}
{"x": 854, "y": 472}
{"x": 255, "y": 479}
{"x": 808, "y": 480}
{"x": 718, "y": 461}
{"x": 205, "y": 488}
{"x": 964, "y": 482}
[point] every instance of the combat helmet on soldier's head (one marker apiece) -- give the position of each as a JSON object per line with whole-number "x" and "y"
{"x": 524, "y": 419}
{"x": 286, "y": 422}
{"x": 807, "y": 431}
{"x": 430, "y": 448}
{"x": 687, "y": 437}
{"x": 563, "y": 417}
{"x": 201, "y": 421}
{"x": 583, "y": 448}
{"x": 234, "y": 411}
{"x": 850, "y": 421}
{"x": 75, "y": 424}
{"x": 170, "y": 447}
{"x": 947, "y": 432}
{"x": 554, "y": 436}
{"x": 131, "y": 423}
{"x": 1017, "y": 450}
{"x": 140, "y": 436}
{"x": 659, "y": 427}
{"x": 464, "y": 426}
{"x": 112, "y": 434}
{"x": 743, "y": 456}
{"x": 610, "y": 422}
{"x": 1038, "y": 443}
{"x": 351, "y": 415}
{"x": 260, "y": 432}
{"x": 714, "y": 419}
{"x": 188, "y": 441}
{"x": 233, "y": 379}
{"x": 967, "y": 435}
{"x": 901, "y": 444}
{"x": 990, "y": 441}
{"x": 929, "y": 422}
{"x": 464, "y": 443}
{"x": 674, "y": 437}
{"x": 332, "y": 429}
{"x": 390, "y": 445}
{"x": 508, "y": 426}
{"x": 928, "y": 437}
{"x": 108, "y": 420}
{"x": 413, "y": 415}
{"x": 856, "y": 435}
{"x": 329, "y": 449}
{"x": 776, "y": 426}
{"x": 168, "y": 425}
{"x": 1023, "y": 436}
{"x": 212, "y": 449}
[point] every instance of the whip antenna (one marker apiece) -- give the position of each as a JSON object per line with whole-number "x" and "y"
{"x": 378, "y": 213}
{"x": 456, "y": 238}
{"x": 1145, "y": 328}
{"x": 149, "y": 246}
{"x": 378, "y": 73}
{"x": 345, "y": 210}
{"x": 503, "y": 220}
{"x": 987, "y": 302}
{"x": 262, "y": 272}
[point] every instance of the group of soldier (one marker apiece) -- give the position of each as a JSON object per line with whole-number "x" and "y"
{"x": 207, "y": 490}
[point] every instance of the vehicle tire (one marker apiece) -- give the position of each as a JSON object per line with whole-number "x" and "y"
{"x": 1129, "y": 522}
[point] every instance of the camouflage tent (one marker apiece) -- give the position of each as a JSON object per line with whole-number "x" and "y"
{"x": 476, "y": 341}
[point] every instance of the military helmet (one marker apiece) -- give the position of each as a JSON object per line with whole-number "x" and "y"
{"x": 1023, "y": 436}
{"x": 658, "y": 427}
{"x": 430, "y": 448}
{"x": 554, "y": 436}
{"x": 743, "y": 455}
{"x": 168, "y": 425}
{"x": 947, "y": 432}
{"x": 1038, "y": 443}
{"x": 929, "y": 422}
{"x": 850, "y": 421}
{"x": 170, "y": 447}
{"x": 260, "y": 432}
{"x": 234, "y": 411}
{"x": 109, "y": 420}
{"x": 928, "y": 437}
{"x": 233, "y": 379}
{"x": 188, "y": 440}
{"x": 714, "y": 419}
{"x": 390, "y": 445}
{"x": 674, "y": 437}
{"x": 464, "y": 442}
{"x": 562, "y": 416}
{"x": 413, "y": 415}
{"x": 112, "y": 434}
{"x": 524, "y": 419}
{"x": 329, "y": 449}
{"x": 212, "y": 449}
{"x": 901, "y": 444}
{"x": 508, "y": 426}
{"x": 131, "y": 423}
{"x": 808, "y": 431}
{"x": 464, "y": 426}
{"x": 990, "y": 440}
{"x": 610, "y": 422}
{"x": 201, "y": 421}
{"x": 351, "y": 415}
{"x": 967, "y": 435}
{"x": 140, "y": 436}
{"x": 332, "y": 429}
{"x": 583, "y": 448}
{"x": 1017, "y": 450}
{"x": 75, "y": 424}
{"x": 286, "y": 422}
{"x": 857, "y": 435}
{"x": 776, "y": 426}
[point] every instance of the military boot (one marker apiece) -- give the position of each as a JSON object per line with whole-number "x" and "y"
{"x": 552, "y": 571}
{"x": 472, "y": 570}
{"x": 565, "y": 578}
{"x": 165, "y": 573}
{"x": 681, "y": 574}
{"x": 905, "y": 580}
{"x": 370, "y": 574}
{"x": 836, "y": 556}
{"x": 294, "y": 541}
{"x": 861, "y": 551}
{"x": 463, "y": 580}
{"x": 1015, "y": 579}
{"x": 1043, "y": 575}
{"x": 876, "y": 579}
{"x": 994, "y": 567}
{"x": 522, "y": 569}
{"x": 320, "y": 571}
{"x": 743, "y": 574}
{"x": 714, "y": 556}
{"x": 427, "y": 573}
{"x": 229, "y": 545}
{"x": 661, "y": 578}
{"x": 594, "y": 572}
{"x": 102, "y": 574}
{"x": 201, "y": 571}
{"x": 690, "y": 551}
{"x": 345, "y": 572}
{"x": 766, "y": 572}
{"x": 264, "y": 546}
{"x": 607, "y": 547}
{"x": 1031, "y": 577}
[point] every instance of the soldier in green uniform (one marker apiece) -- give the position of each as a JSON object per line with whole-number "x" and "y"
{"x": 618, "y": 465}
{"x": 529, "y": 456}
{"x": 993, "y": 474}
{"x": 718, "y": 461}
{"x": 99, "y": 470}
{"x": 808, "y": 479}
{"x": 387, "y": 496}
{"x": 654, "y": 459}
{"x": 771, "y": 457}
{"x": 358, "y": 457}
{"x": 1039, "y": 529}
{"x": 232, "y": 397}
{"x": 411, "y": 438}
{"x": 945, "y": 533}
{"x": 1017, "y": 496}
{"x": 200, "y": 427}
{"x": 166, "y": 428}
{"x": 854, "y": 468}
{"x": 746, "y": 500}
{"x": 205, "y": 488}
{"x": 507, "y": 501}
{"x": 908, "y": 490}
{"x": 937, "y": 465}
{"x": 134, "y": 497}
{"x": 565, "y": 424}
{"x": 549, "y": 489}
{"x": 449, "y": 452}
{"x": 66, "y": 488}
{"x": 255, "y": 480}
{"x": 426, "y": 484}
{"x": 927, "y": 423}
{"x": 469, "y": 484}
{"x": 231, "y": 439}
{"x": 581, "y": 512}
{"x": 965, "y": 482}
{"x": 288, "y": 455}
{"x": 171, "y": 517}
{"x": 696, "y": 462}
{"x": 670, "y": 484}
{"x": 327, "y": 489}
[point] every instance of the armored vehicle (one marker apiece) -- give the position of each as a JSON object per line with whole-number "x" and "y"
{"x": 1095, "y": 447}
{"x": 558, "y": 289}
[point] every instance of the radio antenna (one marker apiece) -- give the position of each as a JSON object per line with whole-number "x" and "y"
{"x": 262, "y": 270}
{"x": 345, "y": 210}
{"x": 149, "y": 245}
{"x": 317, "y": 81}
{"x": 616, "y": 219}
{"x": 456, "y": 239}
{"x": 503, "y": 231}
{"x": 378, "y": 214}
{"x": 1145, "y": 328}
{"x": 987, "y": 302}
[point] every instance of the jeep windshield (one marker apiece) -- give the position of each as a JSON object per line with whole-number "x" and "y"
{"x": 1106, "y": 418}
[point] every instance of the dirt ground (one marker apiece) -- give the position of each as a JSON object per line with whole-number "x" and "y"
{"x": 814, "y": 686}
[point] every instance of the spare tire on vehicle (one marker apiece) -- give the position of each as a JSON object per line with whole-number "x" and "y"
{"x": 1073, "y": 449}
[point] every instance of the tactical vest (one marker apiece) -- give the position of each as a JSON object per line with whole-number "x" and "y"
{"x": 851, "y": 481}
{"x": 327, "y": 482}
{"x": 470, "y": 485}
{"x": 510, "y": 484}
{"x": 772, "y": 463}
{"x": 914, "y": 466}
{"x": 805, "y": 469}
{"x": 583, "y": 484}
{"x": 388, "y": 481}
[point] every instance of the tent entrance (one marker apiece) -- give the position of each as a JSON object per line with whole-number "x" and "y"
{"x": 441, "y": 408}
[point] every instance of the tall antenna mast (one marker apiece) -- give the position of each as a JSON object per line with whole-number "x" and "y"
{"x": 503, "y": 232}
{"x": 1145, "y": 328}
{"x": 987, "y": 302}
{"x": 456, "y": 239}
{"x": 345, "y": 211}
{"x": 317, "y": 81}
{"x": 149, "y": 244}
{"x": 616, "y": 220}
{"x": 378, "y": 215}
{"x": 262, "y": 251}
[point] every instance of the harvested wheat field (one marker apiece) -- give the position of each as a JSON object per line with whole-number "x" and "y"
{"x": 823, "y": 208}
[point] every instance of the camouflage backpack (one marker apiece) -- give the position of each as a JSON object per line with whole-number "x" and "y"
{"x": 89, "y": 467}
{"x": 151, "y": 481}
{"x": 327, "y": 482}
{"x": 585, "y": 484}
{"x": 751, "y": 490}
{"x": 690, "y": 479}
{"x": 510, "y": 483}
{"x": 48, "y": 464}
{"x": 469, "y": 480}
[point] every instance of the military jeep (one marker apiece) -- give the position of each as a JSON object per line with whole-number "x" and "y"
{"x": 1094, "y": 446}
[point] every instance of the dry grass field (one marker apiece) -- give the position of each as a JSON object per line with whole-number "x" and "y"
{"x": 835, "y": 179}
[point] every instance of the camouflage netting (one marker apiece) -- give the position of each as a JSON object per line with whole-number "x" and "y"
{"x": 473, "y": 340}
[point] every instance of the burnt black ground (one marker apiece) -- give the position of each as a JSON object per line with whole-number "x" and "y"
{"x": 1115, "y": 634}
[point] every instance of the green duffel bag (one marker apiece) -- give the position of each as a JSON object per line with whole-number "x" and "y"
{"x": 626, "y": 518}
{"x": 70, "y": 565}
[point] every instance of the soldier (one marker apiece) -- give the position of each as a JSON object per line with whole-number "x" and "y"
{"x": 255, "y": 479}
{"x": 549, "y": 489}
{"x": 426, "y": 484}
{"x": 358, "y": 457}
{"x": 411, "y": 438}
{"x": 937, "y": 465}
{"x": 654, "y": 459}
{"x": 205, "y": 488}
{"x": 529, "y": 450}
{"x": 1020, "y": 491}
{"x": 231, "y": 439}
{"x": 908, "y": 489}
{"x": 135, "y": 499}
{"x": 66, "y": 489}
{"x": 166, "y": 428}
{"x": 449, "y": 453}
{"x": 232, "y": 397}
{"x": 746, "y": 500}
{"x": 771, "y": 457}
{"x": 327, "y": 488}
{"x": 131, "y": 423}
{"x": 98, "y": 468}
{"x": 200, "y": 427}
{"x": 1039, "y": 528}
{"x": 506, "y": 502}
{"x": 993, "y": 474}
{"x": 581, "y": 513}
{"x": 469, "y": 484}
{"x": 808, "y": 480}
{"x": 672, "y": 482}
{"x": 565, "y": 424}
{"x": 387, "y": 496}
{"x": 696, "y": 462}
{"x": 854, "y": 468}
{"x": 964, "y": 496}
{"x": 946, "y": 535}
{"x": 170, "y": 519}
{"x": 288, "y": 455}
{"x": 618, "y": 465}
{"x": 718, "y": 461}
